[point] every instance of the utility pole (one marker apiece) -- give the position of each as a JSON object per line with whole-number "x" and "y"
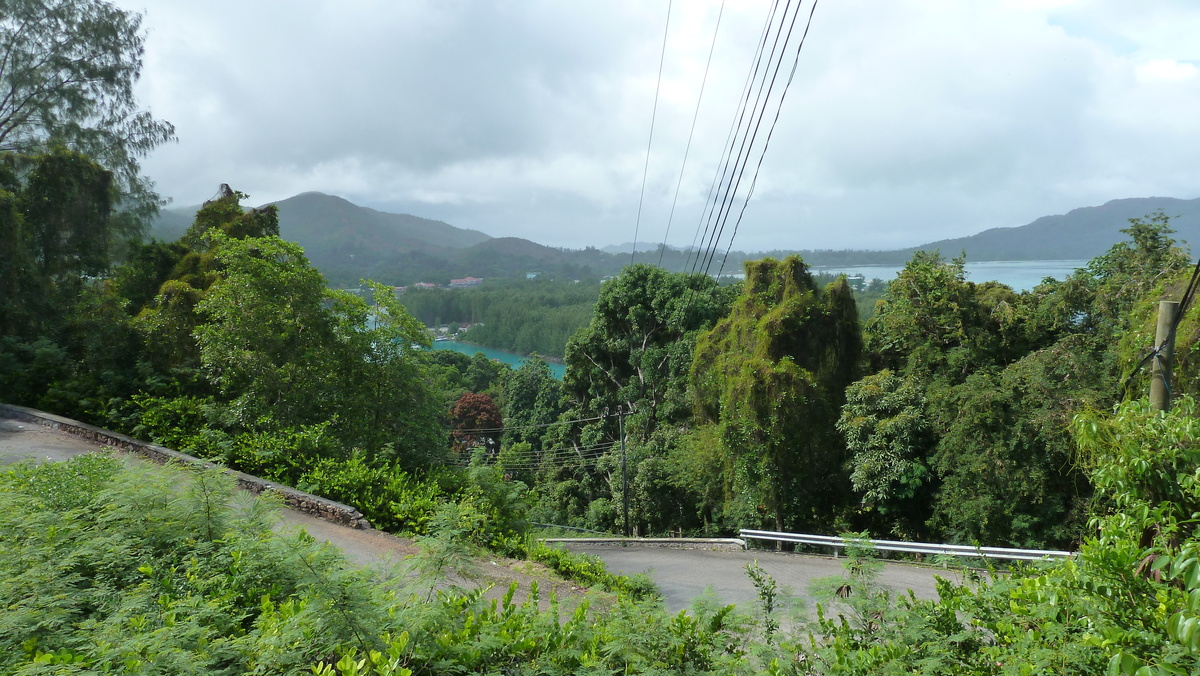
{"x": 1160, "y": 366}
{"x": 624, "y": 471}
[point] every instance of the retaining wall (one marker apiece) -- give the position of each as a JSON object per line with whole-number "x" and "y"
{"x": 315, "y": 505}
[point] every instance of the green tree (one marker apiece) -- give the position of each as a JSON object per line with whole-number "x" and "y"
{"x": 932, "y": 319}
{"x": 263, "y": 333}
{"x": 170, "y": 320}
{"x": 283, "y": 351}
{"x": 772, "y": 376}
{"x": 885, "y": 424}
{"x": 636, "y": 352}
{"x": 1005, "y": 458}
{"x": 67, "y": 77}
{"x": 532, "y": 402}
{"x": 1130, "y": 270}
{"x": 57, "y": 229}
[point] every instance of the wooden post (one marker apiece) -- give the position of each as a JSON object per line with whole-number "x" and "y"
{"x": 1160, "y": 366}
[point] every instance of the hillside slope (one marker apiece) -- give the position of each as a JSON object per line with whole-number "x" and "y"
{"x": 1079, "y": 233}
{"x": 348, "y": 242}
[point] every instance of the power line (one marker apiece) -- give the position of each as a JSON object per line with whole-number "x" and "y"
{"x": 653, "y": 114}
{"x": 728, "y": 176}
{"x": 691, "y": 132}
{"x": 771, "y": 131}
{"x": 748, "y": 139}
{"x": 716, "y": 189}
{"x": 489, "y": 430}
{"x": 556, "y": 455}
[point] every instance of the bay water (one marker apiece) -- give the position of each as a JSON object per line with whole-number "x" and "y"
{"x": 513, "y": 360}
{"x": 1020, "y": 275}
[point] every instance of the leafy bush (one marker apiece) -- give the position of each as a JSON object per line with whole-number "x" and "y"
{"x": 589, "y": 571}
{"x": 390, "y": 498}
{"x": 65, "y": 485}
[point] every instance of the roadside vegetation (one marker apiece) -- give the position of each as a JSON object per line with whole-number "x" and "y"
{"x": 956, "y": 412}
{"x": 113, "y": 569}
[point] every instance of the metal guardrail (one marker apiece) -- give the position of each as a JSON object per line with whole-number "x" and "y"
{"x": 909, "y": 547}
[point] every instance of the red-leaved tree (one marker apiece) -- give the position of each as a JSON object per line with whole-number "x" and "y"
{"x": 475, "y": 421}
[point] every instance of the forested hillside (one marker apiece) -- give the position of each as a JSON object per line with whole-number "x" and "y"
{"x": 515, "y": 315}
{"x": 348, "y": 242}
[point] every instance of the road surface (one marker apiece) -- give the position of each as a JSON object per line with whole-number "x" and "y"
{"x": 21, "y": 440}
{"x": 681, "y": 574}
{"x": 684, "y": 574}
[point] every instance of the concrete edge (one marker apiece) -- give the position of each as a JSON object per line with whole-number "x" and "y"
{"x": 315, "y": 505}
{"x": 666, "y": 543}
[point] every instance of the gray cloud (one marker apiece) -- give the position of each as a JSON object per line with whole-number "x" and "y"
{"x": 908, "y": 121}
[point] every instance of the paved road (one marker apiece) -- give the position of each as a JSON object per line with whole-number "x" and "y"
{"x": 367, "y": 548}
{"x": 25, "y": 441}
{"x": 684, "y": 574}
{"x": 681, "y": 574}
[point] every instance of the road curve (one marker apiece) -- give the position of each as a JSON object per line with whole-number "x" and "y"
{"x": 685, "y": 574}
{"x": 681, "y": 574}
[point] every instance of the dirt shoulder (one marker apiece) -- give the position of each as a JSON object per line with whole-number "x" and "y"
{"x": 369, "y": 548}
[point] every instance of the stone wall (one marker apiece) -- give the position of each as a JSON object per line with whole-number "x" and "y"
{"x": 315, "y": 505}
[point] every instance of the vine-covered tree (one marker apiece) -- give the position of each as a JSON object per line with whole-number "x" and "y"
{"x": 771, "y": 376}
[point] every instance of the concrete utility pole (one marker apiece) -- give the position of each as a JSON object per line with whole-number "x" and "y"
{"x": 624, "y": 473}
{"x": 1160, "y": 366}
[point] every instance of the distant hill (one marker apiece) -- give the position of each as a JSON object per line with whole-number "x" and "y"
{"x": 172, "y": 223}
{"x": 348, "y": 242}
{"x": 1079, "y": 233}
{"x": 335, "y": 232}
{"x": 628, "y": 247}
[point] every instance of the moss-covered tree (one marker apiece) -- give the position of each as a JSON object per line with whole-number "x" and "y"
{"x": 771, "y": 376}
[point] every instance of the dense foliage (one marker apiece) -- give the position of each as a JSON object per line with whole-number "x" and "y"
{"x": 521, "y": 316}
{"x": 115, "y": 569}
{"x": 771, "y": 377}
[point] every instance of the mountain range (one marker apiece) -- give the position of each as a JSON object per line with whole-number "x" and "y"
{"x": 348, "y": 242}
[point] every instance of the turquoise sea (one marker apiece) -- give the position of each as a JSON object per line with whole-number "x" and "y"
{"x": 513, "y": 360}
{"x": 1020, "y": 275}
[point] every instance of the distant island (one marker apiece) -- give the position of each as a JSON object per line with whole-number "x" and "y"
{"x": 348, "y": 242}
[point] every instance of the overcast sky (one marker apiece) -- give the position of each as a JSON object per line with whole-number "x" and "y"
{"x": 908, "y": 121}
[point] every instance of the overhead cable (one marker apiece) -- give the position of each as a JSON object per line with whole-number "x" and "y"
{"x": 653, "y": 114}
{"x": 691, "y": 133}
{"x": 719, "y": 178}
{"x": 491, "y": 430}
{"x": 770, "y": 132}
{"x": 747, "y": 144}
